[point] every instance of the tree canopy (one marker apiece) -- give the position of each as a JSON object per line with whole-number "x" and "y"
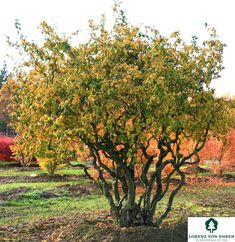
{"x": 3, "y": 74}
{"x": 4, "y": 117}
{"x": 132, "y": 97}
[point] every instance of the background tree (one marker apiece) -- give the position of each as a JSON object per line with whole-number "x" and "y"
{"x": 4, "y": 101}
{"x": 3, "y": 74}
{"x": 121, "y": 93}
{"x": 220, "y": 152}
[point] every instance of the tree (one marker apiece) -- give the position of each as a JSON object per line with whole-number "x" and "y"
{"x": 4, "y": 116}
{"x": 3, "y": 74}
{"x": 5, "y": 150}
{"x": 211, "y": 225}
{"x": 48, "y": 163}
{"x": 121, "y": 93}
{"x": 220, "y": 152}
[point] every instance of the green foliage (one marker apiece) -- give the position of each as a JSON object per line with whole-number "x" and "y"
{"x": 49, "y": 163}
{"x": 115, "y": 93}
{"x": 3, "y": 126}
{"x": 4, "y": 118}
{"x": 116, "y": 77}
{"x": 3, "y": 74}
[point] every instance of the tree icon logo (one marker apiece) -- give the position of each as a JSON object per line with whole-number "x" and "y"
{"x": 211, "y": 225}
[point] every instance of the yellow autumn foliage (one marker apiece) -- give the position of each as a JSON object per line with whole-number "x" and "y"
{"x": 49, "y": 163}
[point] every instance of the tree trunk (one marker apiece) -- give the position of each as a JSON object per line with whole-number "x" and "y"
{"x": 220, "y": 167}
{"x": 220, "y": 171}
{"x": 135, "y": 217}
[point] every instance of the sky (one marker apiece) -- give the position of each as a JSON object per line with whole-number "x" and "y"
{"x": 186, "y": 16}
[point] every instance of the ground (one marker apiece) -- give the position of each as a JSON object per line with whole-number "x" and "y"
{"x": 69, "y": 207}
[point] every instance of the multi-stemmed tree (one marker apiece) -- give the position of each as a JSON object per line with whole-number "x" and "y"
{"x": 133, "y": 97}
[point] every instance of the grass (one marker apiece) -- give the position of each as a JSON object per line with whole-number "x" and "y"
{"x": 29, "y": 205}
{"x": 33, "y": 208}
{"x": 4, "y": 163}
{"x": 200, "y": 201}
{"x": 27, "y": 171}
{"x": 232, "y": 173}
{"x": 43, "y": 186}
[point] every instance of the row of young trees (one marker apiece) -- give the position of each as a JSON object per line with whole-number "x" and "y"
{"x": 131, "y": 98}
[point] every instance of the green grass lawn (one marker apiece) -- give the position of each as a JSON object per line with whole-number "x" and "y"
{"x": 30, "y": 205}
{"x": 27, "y": 171}
{"x": 4, "y": 163}
{"x": 202, "y": 201}
{"x": 42, "y": 186}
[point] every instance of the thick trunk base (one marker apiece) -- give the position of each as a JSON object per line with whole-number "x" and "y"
{"x": 135, "y": 217}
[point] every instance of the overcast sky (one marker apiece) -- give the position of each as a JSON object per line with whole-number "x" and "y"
{"x": 187, "y": 16}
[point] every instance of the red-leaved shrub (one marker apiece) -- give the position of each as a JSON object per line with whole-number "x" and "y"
{"x": 5, "y": 150}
